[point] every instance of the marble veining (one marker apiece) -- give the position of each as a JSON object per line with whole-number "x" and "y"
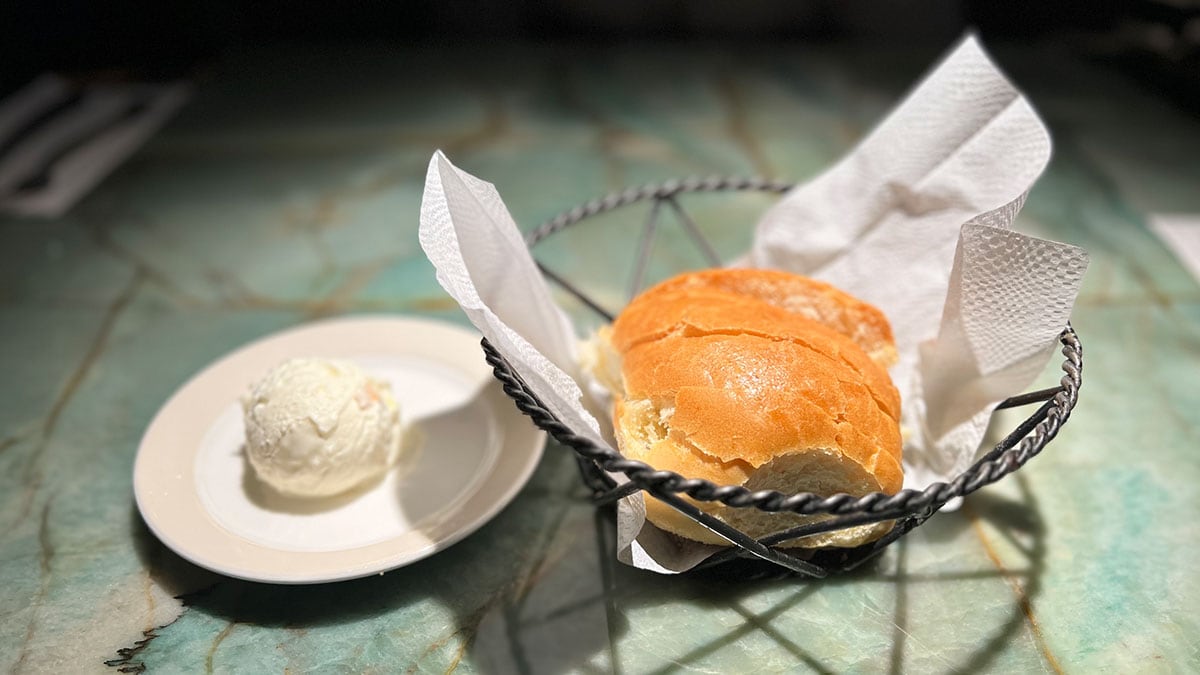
{"x": 274, "y": 200}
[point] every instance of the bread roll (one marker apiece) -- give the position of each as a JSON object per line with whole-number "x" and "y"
{"x": 757, "y": 378}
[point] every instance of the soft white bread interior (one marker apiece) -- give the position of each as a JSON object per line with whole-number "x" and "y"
{"x": 756, "y": 378}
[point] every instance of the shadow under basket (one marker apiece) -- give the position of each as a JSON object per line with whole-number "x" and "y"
{"x": 908, "y": 508}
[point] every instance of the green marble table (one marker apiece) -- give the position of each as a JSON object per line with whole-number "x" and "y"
{"x": 289, "y": 190}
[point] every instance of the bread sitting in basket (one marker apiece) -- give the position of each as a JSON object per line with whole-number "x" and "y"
{"x": 758, "y": 378}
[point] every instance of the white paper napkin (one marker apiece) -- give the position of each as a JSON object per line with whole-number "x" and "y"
{"x": 482, "y": 262}
{"x": 915, "y": 220}
{"x": 941, "y": 179}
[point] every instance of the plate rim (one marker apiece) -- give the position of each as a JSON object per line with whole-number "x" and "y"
{"x": 499, "y": 487}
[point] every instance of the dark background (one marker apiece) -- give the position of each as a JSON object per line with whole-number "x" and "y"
{"x": 1156, "y": 41}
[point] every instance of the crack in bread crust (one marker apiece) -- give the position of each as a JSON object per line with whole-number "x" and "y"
{"x": 668, "y": 314}
{"x": 886, "y": 409}
{"x": 797, "y": 295}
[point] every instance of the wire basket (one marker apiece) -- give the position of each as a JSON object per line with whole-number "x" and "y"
{"x": 908, "y": 508}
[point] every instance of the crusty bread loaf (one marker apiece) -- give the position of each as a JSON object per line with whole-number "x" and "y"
{"x": 757, "y": 378}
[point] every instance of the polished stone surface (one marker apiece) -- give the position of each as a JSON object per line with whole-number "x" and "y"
{"x": 277, "y": 198}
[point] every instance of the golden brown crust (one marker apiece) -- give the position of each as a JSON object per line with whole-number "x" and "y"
{"x": 742, "y": 397}
{"x": 860, "y": 321}
{"x": 726, "y": 372}
{"x": 703, "y": 311}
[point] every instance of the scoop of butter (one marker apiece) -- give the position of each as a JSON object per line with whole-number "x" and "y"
{"x": 317, "y": 427}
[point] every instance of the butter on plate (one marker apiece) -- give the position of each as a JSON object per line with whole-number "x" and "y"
{"x": 319, "y": 427}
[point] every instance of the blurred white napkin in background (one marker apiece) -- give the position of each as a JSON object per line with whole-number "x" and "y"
{"x": 914, "y": 220}
{"x": 1181, "y": 233}
{"x": 58, "y": 139}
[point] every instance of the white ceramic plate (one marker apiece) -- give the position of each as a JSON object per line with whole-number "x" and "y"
{"x": 199, "y": 496}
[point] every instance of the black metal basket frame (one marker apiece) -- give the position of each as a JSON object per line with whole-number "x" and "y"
{"x": 908, "y": 508}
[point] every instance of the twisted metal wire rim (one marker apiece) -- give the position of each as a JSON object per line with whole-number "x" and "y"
{"x": 665, "y": 190}
{"x": 904, "y": 503}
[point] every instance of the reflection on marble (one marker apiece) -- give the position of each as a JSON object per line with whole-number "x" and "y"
{"x": 273, "y": 200}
